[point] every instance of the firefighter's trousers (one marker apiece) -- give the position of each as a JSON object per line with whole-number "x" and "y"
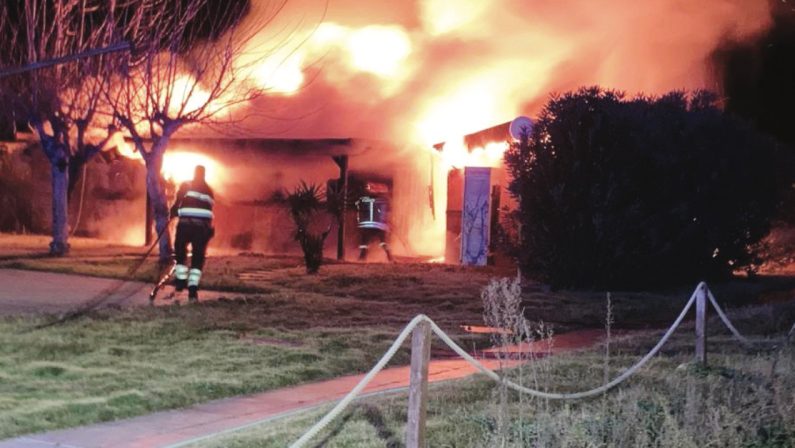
{"x": 196, "y": 232}
{"x": 366, "y": 235}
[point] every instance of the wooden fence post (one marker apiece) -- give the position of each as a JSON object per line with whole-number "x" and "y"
{"x": 418, "y": 385}
{"x": 701, "y": 325}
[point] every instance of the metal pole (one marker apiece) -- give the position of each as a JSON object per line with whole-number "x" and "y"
{"x": 418, "y": 385}
{"x": 148, "y": 235}
{"x": 120, "y": 46}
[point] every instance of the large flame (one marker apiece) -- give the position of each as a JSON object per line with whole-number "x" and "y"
{"x": 456, "y": 154}
{"x": 179, "y": 165}
{"x": 379, "y": 49}
{"x": 188, "y": 96}
{"x": 280, "y": 73}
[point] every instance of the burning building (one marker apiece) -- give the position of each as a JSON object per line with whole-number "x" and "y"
{"x": 399, "y": 78}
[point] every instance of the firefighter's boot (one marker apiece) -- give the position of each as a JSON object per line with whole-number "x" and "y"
{"x": 194, "y": 275}
{"x": 388, "y": 253}
{"x": 180, "y": 277}
{"x": 362, "y": 253}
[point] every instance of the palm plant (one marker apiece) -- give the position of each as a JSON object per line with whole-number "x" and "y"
{"x": 304, "y": 203}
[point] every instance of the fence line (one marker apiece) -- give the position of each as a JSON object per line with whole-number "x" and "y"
{"x": 342, "y": 404}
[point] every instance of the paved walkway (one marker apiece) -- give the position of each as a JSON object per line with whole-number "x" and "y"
{"x": 27, "y": 292}
{"x": 164, "y": 429}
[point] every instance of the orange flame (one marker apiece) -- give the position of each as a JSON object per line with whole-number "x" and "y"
{"x": 455, "y": 154}
{"x": 178, "y": 165}
{"x": 279, "y": 73}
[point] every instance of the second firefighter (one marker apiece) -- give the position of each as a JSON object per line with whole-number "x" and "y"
{"x": 372, "y": 213}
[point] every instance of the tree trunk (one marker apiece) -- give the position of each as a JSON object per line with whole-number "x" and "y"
{"x": 157, "y": 195}
{"x": 60, "y": 208}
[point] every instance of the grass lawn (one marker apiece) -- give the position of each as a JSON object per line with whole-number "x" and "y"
{"x": 742, "y": 399}
{"x": 450, "y": 294}
{"x": 14, "y": 246}
{"x": 118, "y": 364}
{"x": 280, "y": 327}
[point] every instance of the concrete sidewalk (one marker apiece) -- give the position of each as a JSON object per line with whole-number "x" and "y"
{"x": 167, "y": 428}
{"x": 30, "y": 292}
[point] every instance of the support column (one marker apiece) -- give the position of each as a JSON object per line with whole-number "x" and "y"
{"x": 342, "y": 163}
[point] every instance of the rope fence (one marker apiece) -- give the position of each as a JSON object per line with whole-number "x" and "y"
{"x": 700, "y": 294}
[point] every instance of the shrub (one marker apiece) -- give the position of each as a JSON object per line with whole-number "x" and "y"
{"x": 305, "y": 203}
{"x": 647, "y": 191}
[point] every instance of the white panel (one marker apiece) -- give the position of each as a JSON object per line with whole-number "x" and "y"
{"x": 476, "y": 216}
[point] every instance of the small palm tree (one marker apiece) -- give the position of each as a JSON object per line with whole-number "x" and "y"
{"x": 305, "y": 202}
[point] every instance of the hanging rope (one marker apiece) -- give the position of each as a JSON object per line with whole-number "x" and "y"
{"x": 342, "y": 404}
{"x": 80, "y": 204}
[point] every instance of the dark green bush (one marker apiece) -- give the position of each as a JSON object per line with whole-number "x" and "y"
{"x": 642, "y": 192}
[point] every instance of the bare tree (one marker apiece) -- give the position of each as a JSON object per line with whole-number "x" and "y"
{"x": 186, "y": 70}
{"x": 60, "y": 102}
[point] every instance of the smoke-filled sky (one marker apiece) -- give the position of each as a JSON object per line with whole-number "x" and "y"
{"x": 422, "y": 71}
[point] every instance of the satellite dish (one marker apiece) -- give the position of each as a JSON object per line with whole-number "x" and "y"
{"x": 520, "y": 126}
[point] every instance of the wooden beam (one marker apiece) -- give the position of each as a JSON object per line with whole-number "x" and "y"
{"x": 701, "y": 325}
{"x": 418, "y": 385}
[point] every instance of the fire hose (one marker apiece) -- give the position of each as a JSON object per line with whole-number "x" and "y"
{"x": 106, "y": 293}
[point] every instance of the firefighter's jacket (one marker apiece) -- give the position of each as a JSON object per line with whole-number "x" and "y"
{"x": 195, "y": 200}
{"x": 372, "y": 213}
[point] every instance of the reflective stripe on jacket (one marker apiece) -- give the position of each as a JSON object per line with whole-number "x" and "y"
{"x": 194, "y": 200}
{"x": 192, "y": 212}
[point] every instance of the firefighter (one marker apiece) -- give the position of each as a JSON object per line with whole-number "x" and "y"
{"x": 372, "y": 212}
{"x": 194, "y": 206}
